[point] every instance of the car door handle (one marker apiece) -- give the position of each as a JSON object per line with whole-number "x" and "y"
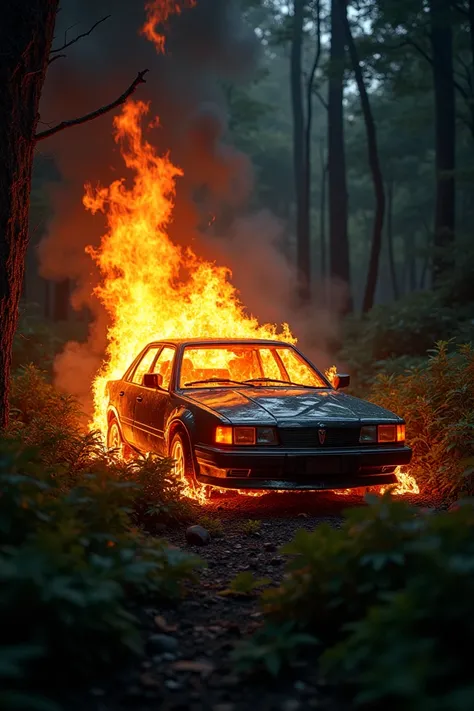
{"x": 139, "y": 398}
{"x": 122, "y": 393}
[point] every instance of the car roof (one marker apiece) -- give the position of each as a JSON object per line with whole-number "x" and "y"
{"x": 220, "y": 341}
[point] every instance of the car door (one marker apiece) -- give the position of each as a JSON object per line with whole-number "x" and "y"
{"x": 132, "y": 390}
{"x": 152, "y": 403}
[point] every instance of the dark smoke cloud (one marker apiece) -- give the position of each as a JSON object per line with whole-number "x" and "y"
{"x": 206, "y": 46}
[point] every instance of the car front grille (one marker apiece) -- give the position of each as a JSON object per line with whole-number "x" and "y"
{"x": 308, "y": 437}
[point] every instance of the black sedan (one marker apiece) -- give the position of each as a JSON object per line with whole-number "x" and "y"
{"x": 251, "y": 414}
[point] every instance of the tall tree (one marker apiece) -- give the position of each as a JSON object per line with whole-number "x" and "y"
{"x": 339, "y": 260}
{"x": 445, "y": 134}
{"x": 374, "y": 164}
{"x": 297, "y": 104}
{"x": 26, "y": 35}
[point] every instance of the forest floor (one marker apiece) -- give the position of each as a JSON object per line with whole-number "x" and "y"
{"x": 187, "y": 665}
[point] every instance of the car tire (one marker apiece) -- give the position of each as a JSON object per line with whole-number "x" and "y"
{"x": 115, "y": 440}
{"x": 180, "y": 451}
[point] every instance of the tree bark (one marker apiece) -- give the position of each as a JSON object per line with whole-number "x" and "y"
{"x": 445, "y": 136}
{"x": 374, "y": 164}
{"x": 339, "y": 259}
{"x": 26, "y": 33}
{"x": 391, "y": 254}
{"x": 303, "y": 257}
{"x": 322, "y": 214}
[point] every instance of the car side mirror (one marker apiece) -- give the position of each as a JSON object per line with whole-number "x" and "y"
{"x": 153, "y": 380}
{"x": 341, "y": 381}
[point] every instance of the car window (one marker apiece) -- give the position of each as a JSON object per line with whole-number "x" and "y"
{"x": 144, "y": 365}
{"x": 214, "y": 366}
{"x": 164, "y": 365}
{"x": 270, "y": 364}
{"x": 298, "y": 370}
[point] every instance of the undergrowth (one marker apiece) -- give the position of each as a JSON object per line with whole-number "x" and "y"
{"x": 382, "y": 607}
{"x": 437, "y": 401}
{"x": 73, "y": 552}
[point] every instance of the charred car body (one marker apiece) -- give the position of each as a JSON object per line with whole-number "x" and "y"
{"x": 252, "y": 414}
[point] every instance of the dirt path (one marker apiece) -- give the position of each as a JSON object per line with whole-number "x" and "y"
{"x": 188, "y": 664}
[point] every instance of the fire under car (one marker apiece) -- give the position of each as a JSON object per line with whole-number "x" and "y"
{"x": 251, "y": 414}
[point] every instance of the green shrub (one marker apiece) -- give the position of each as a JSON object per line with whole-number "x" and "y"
{"x": 388, "y": 597}
{"x": 437, "y": 401}
{"x": 411, "y": 650}
{"x": 251, "y": 526}
{"x": 70, "y": 562}
{"x": 396, "y": 336}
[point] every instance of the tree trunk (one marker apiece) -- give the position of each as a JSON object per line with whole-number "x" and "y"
{"x": 303, "y": 257}
{"x": 445, "y": 132}
{"x": 26, "y": 33}
{"x": 375, "y": 169}
{"x": 391, "y": 254}
{"x": 339, "y": 259}
{"x": 322, "y": 214}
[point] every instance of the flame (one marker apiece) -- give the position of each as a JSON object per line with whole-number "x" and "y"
{"x": 330, "y": 373}
{"x": 158, "y": 12}
{"x": 406, "y": 484}
{"x": 152, "y": 288}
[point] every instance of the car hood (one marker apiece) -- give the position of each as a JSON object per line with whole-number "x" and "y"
{"x": 288, "y": 407}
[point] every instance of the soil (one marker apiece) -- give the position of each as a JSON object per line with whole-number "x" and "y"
{"x": 188, "y": 665}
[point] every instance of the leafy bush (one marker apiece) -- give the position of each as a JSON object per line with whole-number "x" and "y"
{"x": 437, "y": 401}
{"x": 409, "y": 651}
{"x": 386, "y": 597}
{"x": 397, "y": 336}
{"x": 251, "y": 526}
{"x": 69, "y": 562}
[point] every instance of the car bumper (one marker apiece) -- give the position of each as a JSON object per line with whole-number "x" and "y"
{"x": 302, "y": 469}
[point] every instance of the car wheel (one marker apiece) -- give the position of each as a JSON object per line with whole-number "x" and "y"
{"x": 115, "y": 441}
{"x": 181, "y": 453}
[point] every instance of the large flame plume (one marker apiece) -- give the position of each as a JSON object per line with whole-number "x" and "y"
{"x": 152, "y": 288}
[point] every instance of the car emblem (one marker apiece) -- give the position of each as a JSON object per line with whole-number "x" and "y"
{"x": 322, "y": 436}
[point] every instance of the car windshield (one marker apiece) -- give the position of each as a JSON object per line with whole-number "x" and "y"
{"x": 247, "y": 365}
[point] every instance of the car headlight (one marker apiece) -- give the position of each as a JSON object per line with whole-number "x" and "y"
{"x": 368, "y": 433}
{"x": 245, "y": 435}
{"x": 382, "y": 434}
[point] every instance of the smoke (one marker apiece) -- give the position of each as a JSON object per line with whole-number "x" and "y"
{"x": 207, "y": 47}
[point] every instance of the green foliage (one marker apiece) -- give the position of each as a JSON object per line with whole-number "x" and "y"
{"x": 213, "y": 525}
{"x": 437, "y": 401}
{"x": 251, "y": 526}
{"x": 244, "y": 584}
{"x": 271, "y": 648}
{"x": 410, "y": 649}
{"x": 386, "y": 596}
{"x": 69, "y": 563}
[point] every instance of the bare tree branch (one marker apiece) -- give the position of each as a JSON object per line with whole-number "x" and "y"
{"x": 76, "y": 39}
{"x": 94, "y": 114}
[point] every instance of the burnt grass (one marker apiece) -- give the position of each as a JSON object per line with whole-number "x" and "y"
{"x": 187, "y": 663}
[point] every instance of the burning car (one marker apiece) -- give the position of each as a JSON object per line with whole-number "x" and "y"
{"x": 251, "y": 414}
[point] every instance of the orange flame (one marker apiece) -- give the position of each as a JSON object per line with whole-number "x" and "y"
{"x": 152, "y": 288}
{"x": 158, "y": 12}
